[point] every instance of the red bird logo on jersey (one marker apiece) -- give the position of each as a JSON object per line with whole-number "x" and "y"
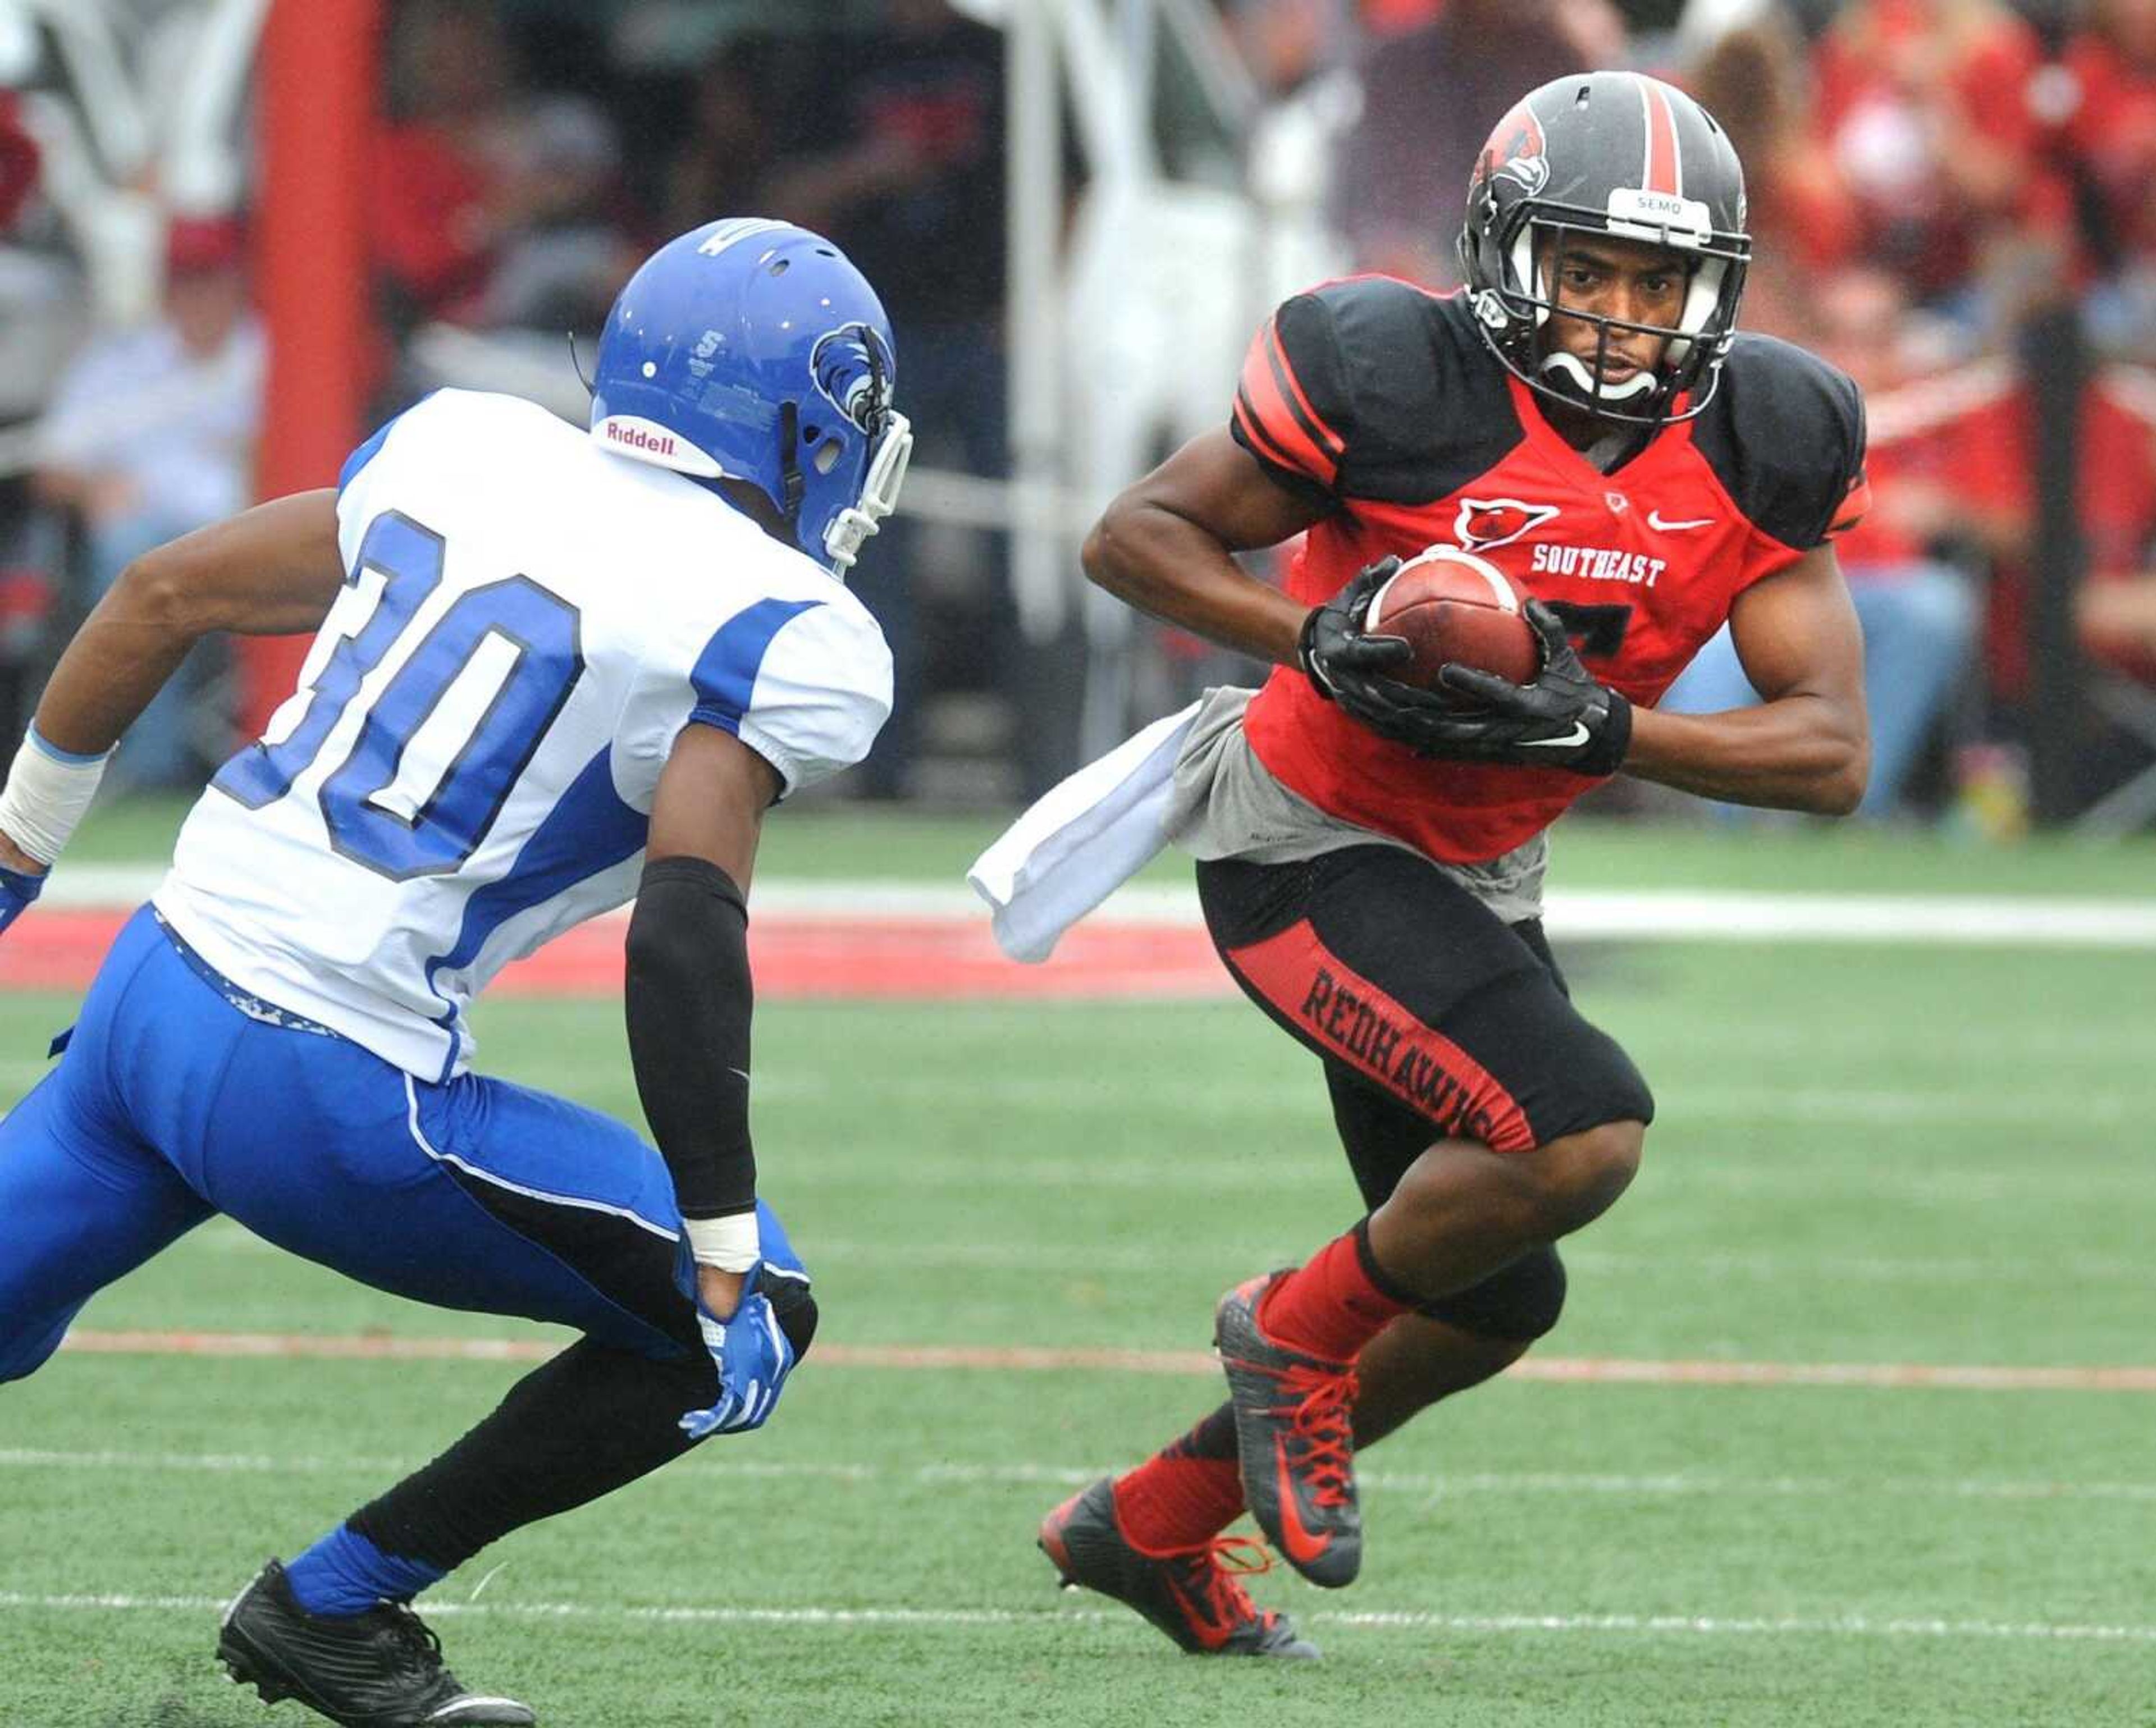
{"x": 1485, "y": 522}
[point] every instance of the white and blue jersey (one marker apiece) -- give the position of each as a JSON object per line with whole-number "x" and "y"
{"x": 469, "y": 765}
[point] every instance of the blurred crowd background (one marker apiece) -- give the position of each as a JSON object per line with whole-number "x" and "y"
{"x": 1954, "y": 200}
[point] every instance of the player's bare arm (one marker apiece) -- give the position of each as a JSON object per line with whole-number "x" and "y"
{"x": 271, "y": 571}
{"x": 1807, "y": 746}
{"x": 1164, "y": 546}
{"x": 579, "y": 652}
{"x": 689, "y": 997}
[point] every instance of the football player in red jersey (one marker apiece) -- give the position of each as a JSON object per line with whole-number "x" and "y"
{"x": 1370, "y": 856}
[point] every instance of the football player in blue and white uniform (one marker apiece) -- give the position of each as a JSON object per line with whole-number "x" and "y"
{"x": 552, "y": 670}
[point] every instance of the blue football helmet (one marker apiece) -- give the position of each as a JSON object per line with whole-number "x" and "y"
{"x": 753, "y": 350}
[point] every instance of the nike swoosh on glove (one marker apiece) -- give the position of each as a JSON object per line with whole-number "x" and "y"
{"x": 1563, "y": 719}
{"x": 18, "y": 889}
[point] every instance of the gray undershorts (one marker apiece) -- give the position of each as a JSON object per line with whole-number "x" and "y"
{"x": 1225, "y": 803}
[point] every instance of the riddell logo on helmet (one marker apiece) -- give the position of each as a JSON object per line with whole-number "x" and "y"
{"x": 658, "y": 443}
{"x": 646, "y": 441}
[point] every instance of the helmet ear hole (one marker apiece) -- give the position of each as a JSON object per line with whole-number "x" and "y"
{"x": 827, "y": 455}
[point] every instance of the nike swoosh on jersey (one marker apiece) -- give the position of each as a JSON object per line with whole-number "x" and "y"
{"x": 1577, "y": 734}
{"x": 1655, "y": 520}
{"x": 1301, "y": 1545}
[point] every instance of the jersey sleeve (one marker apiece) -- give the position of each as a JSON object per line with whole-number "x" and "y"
{"x": 1790, "y": 449}
{"x": 809, "y": 697}
{"x": 1847, "y": 489}
{"x": 805, "y": 682}
{"x": 1293, "y": 406}
{"x": 363, "y": 470}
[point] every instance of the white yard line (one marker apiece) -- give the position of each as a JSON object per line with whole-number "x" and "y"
{"x": 1370, "y": 1619}
{"x": 2010, "y": 1264}
{"x": 1003, "y": 1359}
{"x": 1199, "y": 1095}
{"x": 1431, "y": 1485}
{"x": 1981, "y": 920}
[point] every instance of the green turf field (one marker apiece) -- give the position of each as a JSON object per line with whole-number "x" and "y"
{"x": 826, "y": 840}
{"x": 1864, "y": 1156}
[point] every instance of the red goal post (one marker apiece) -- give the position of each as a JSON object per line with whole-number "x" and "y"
{"x": 318, "y": 94}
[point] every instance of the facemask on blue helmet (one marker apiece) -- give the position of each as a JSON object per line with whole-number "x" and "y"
{"x": 753, "y": 350}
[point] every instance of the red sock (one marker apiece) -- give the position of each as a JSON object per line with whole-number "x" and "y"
{"x": 1181, "y": 1496}
{"x": 1336, "y": 1303}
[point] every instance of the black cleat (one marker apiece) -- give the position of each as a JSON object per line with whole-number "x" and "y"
{"x": 379, "y": 1670}
{"x": 1189, "y": 1594}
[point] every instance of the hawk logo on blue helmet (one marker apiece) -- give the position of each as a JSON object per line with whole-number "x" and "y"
{"x": 710, "y": 364}
{"x": 852, "y": 367}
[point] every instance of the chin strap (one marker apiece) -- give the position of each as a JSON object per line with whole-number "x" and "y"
{"x": 1568, "y": 373}
{"x": 879, "y": 408}
{"x": 793, "y": 485}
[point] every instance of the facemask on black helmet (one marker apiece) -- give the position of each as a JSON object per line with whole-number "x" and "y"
{"x": 1607, "y": 155}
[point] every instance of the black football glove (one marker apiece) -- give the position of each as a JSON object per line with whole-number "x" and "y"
{"x": 1563, "y": 719}
{"x": 1346, "y": 667}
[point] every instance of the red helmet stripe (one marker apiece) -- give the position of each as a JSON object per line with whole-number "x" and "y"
{"x": 1661, "y": 173}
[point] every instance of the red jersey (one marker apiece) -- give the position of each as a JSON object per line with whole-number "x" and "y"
{"x": 1383, "y": 402}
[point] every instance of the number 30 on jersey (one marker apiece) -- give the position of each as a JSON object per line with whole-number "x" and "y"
{"x": 443, "y": 741}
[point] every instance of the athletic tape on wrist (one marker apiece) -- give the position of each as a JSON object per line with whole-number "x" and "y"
{"x": 47, "y": 793}
{"x": 729, "y": 1244}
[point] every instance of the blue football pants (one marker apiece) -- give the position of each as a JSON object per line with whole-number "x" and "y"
{"x": 172, "y": 1102}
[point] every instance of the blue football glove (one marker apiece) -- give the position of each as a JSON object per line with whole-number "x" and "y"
{"x": 777, "y": 1247}
{"x": 754, "y": 1357}
{"x": 18, "y": 889}
{"x": 753, "y": 1351}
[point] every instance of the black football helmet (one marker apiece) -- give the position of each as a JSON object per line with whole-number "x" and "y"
{"x": 1612, "y": 153}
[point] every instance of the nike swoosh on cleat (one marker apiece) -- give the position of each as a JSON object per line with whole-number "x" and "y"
{"x": 1655, "y": 521}
{"x": 1577, "y": 734}
{"x": 1208, "y": 1629}
{"x": 1302, "y": 1546}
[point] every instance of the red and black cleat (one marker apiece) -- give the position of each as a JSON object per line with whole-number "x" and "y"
{"x": 1194, "y": 1595}
{"x": 1294, "y": 1441}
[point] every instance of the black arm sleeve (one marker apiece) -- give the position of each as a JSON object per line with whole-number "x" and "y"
{"x": 689, "y": 999}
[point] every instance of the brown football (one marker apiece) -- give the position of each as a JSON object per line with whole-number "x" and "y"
{"x": 1455, "y": 608}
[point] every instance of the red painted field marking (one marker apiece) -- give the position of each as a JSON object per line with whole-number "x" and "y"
{"x": 1562, "y": 1370}
{"x": 880, "y": 956}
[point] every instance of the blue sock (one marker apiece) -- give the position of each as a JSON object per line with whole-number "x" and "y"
{"x": 344, "y": 1573}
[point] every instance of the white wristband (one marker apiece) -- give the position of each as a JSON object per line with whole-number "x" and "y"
{"x": 730, "y": 1244}
{"x": 47, "y": 793}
